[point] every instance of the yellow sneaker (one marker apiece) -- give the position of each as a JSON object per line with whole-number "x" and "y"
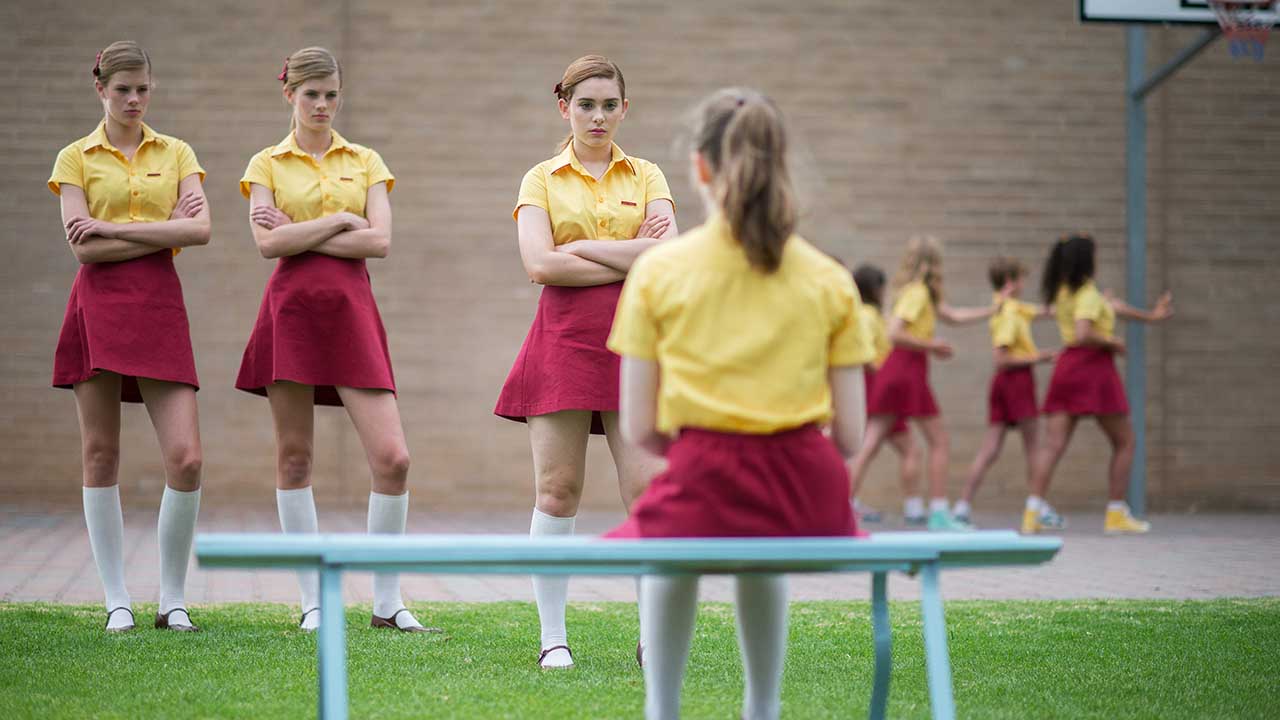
{"x": 1120, "y": 522}
{"x": 1031, "y": 522}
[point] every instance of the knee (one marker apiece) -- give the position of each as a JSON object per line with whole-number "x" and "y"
{"x": 391, "y": 462}
{"x": 558, "y": 493}
{"x": 101, "y": 459}
{"x": 185, "y": 465}
{"x": 294, "y": 467}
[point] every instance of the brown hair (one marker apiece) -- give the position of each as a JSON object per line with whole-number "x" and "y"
{"x": 309, "y": 63}
{"x": 585, "y": 68}
{"x": 1005, "y": 269}
{"x": 923, "y": 262}
{"x": 741, "y": 136}
{"x": 120, "y": 56}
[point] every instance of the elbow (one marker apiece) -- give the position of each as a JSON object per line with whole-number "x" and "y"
{"x": 381, "y": 246}
{"x": 268, "y": 249}
{"x": 538, "y": 273}
{"x": 83, "y": 256}
{"x": 202, "y": 235}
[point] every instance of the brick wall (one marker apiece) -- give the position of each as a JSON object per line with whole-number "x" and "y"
{"x": 994, "y": 125}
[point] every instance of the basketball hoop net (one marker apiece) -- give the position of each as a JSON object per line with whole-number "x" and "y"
{"x": 1246, "y": 25}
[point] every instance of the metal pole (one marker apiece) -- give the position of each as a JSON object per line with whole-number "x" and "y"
{"x": 1136, "y": 264}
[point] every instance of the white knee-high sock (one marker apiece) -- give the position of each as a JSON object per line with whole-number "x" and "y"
{"x": 551, "y": 593}
{"x": 105, "y": 521}
{"x": 177, "y": 525}
{"x": 762, "y": 636}
{"x": 297, "y": 510}
{"x": 387, "y": 514}
{"x": 669, "y": 605}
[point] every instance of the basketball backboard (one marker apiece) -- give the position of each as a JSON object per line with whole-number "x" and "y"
{"x": 1192, "y": 12}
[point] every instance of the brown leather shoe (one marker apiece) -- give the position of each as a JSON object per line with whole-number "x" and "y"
{"x": 389, "y": 623}
{"x": 162, "y": 622}
{"x": 126, "y": 628}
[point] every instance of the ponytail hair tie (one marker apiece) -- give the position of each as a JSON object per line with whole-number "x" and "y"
{"x": 742, "y": 101}
{"x": 97, "y": 65}
{"x": 558, "y": 89}
{"x": 284, "y": 74}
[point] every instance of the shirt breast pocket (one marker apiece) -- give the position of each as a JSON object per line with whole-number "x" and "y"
{"x": 159, "y": 193}
{"x": 352, "y": 188}
{"x": 630, "y": 215}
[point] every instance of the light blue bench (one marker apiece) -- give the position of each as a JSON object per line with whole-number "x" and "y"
{"x": 923, "y": 553}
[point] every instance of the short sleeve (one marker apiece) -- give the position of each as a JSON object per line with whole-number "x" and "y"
{"x": 655, "y": 185}
{"x": 533, "y": 191}
{"x": 68, "y": 169}
{"x": 187, "y": 162}
{"x": 912, "y": 303}
{"x": 378, "y": 170}
{"x": 851, "y": 341}
{"x": 635, "y": 329}
{"x": 1088, "y": 305}
{"x": 258, "y": 172}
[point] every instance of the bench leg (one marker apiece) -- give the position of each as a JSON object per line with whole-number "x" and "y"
{"x": 881, "y": 636}
{"x": 332, "y": 647}
{"x": 935, "y": 645}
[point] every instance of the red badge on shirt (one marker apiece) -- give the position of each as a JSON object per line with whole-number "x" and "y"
{"x": 628, "y": 202}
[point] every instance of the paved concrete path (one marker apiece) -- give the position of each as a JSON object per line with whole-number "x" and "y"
{"x": 45, "y": 556}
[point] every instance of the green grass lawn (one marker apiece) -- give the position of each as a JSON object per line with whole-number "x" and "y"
{"x": 1217, "y": 659}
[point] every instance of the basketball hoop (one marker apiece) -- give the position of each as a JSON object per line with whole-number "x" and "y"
{"x": 1246, "y": 25}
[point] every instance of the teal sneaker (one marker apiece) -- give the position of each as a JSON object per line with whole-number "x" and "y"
{"x": 942, "y": 521}
{"x": 1051, "y": 520}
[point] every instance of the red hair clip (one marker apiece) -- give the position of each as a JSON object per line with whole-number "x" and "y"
{"x": 97, "y": 65}
{"x": 558, "y": 90}
{"x": 284, "y": 74}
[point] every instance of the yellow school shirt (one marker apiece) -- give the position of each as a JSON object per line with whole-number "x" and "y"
{"x": 583, "y": 208}
{"x": 1083, "y": 304}
{"x": 1011, "y": 328}
{"x": 873, "y": 325}
{"x": 305, "y": 189}
{"x": 119, "y": 190}
{"x": 915, "y": 307}
{"x": 739, "y": 350}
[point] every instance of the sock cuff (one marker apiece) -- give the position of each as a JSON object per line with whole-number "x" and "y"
{"x": 102, "y": 492}
{"x": 182, "y": 494}
{"x": 936, "y": 504}
{"x": 382, "y": 499}
{"x": 544, "y": 524}
{"x": 297, "y": 492}
{"x": 1117, "y": 505}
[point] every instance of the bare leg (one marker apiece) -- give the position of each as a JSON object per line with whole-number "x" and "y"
{"x": 935, "y": 435}
{"x": 292, "y": 410}
{"x": 636, "y": 467}
{"x": 559, "y": 442}
{"x": 992, "y": 441}
{"x": 1058, "y": 430}
{"x": 1030, "y": 430}
{"x": 1120, "y": 433}
{"x": 376, "y": 417}
{"x": 877, "y": 429}
{"x": 909, "y": 452}
{"x": 98, "y": 407}
{"x": 174, "y": 415}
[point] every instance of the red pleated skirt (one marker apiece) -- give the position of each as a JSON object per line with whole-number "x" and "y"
{"x": 127, "y": 318}
{"x": 899, "y": 423}
{"x": 318, "y": 325}
{"x": 718, "y": 484}
{"x": 564, "y": 364}
{"x": 1085, "y": 382}
{"x": 1012, "y": 398}
{"x": 902, "y": 386}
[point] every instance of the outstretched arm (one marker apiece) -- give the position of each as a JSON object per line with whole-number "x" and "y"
{"x": 1162, "y": 310}
{"x": 898, "y": 335}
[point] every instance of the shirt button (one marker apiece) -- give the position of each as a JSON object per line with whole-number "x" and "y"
{"x": 324, "y": 177}
{"x": 601, "y": 221}
{"x": 135, "y": 193}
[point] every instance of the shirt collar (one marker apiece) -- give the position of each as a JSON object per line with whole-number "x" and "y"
{"x": 98, "y": 138}
{"x": 290, "y": 145}
{"x": 567, "y": 158}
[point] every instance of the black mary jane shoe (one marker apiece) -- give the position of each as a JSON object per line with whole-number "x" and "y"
{"x": 126, "y": 628}
{"x": 162, "y": 622}
{"x": 389, "y": 623}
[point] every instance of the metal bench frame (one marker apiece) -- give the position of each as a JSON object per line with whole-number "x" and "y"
{"x": 923, "y": 553}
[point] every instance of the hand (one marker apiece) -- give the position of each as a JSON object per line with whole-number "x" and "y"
{"x": 354, "y": 222}
{"x": 942, "y": 349}
{"x": 1048, "y": 356}
{"x": 269, "y": 217}
{"x": 654, "y": 226}
{"x": 1117, "y": 346}
{"x": 570, "y": 248}
{"x": 1164, "y": 307}
{"x": 189, "y": 206}
{"x": 81, "y": 229}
